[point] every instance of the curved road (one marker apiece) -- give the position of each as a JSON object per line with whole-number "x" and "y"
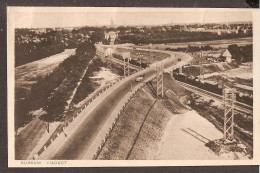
{"x": 80, "y": 138}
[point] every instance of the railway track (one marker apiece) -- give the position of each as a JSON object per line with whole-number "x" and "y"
{"x": 238, "y": 105}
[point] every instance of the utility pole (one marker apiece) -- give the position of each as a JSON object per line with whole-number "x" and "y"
{"x": 201, "y": 67}
{"x": 109, "y": 54}
{"x": 150, "y": 45}
{"x": 128, "y": 70}
{"x": 159, "y": 79}
{"x": 229, "y": 99}
{"x": 126, "y": 57}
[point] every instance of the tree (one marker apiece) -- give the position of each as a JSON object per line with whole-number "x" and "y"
{"x": 97, "y": 36}
{"x": 235, "y": 52}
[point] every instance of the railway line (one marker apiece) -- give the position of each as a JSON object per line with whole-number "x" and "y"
{"x": 238, "y": 105}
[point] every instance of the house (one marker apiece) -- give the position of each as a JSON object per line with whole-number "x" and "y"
{"x": 200, "y": 29}
{"x": 111, "y": 35}
{"x": 227, "y": 56}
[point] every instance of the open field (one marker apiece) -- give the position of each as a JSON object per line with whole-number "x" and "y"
{"x": 214, "y": 43}
{"x": 147, "y": 56}
{"x": 27, "y": 74}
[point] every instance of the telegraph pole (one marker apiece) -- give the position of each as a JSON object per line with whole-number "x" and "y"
{"x": 128, "y": 71}
{"x": 229, "y": 99}
{"x": 150, "y": 45}
{"x": 108, "y": 54}
{"x": 201, "y": 67}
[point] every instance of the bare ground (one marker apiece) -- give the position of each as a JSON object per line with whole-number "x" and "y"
{"x": 213, "y": 112}
{"x": 163, "y": 128}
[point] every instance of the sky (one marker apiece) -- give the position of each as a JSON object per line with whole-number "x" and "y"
{"x": 73, "y": 17}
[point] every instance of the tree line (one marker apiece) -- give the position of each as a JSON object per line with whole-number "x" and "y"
{"x": 241, "y": 53}
{"x": 190, "y": 48}
{"x": 52, "y": 91}
{"x": 174, "y": 37}
{"x": 28, "y": 52}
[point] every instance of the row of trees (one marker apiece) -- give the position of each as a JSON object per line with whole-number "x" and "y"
{"x": 174, "y": 37}
{"x": 71, "y": 70}
{"x": 54, "y": 90}
{"x": 190, "y": 49}
{"x": 241, "y": 53}
{"x": 86, "y": 86}
{"x": 28, "y": 52}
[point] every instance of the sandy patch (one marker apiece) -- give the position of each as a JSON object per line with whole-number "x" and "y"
{"x": 185, "y": 137}
{"x": 243, "y": 72}
{"x": 104, "y": 76}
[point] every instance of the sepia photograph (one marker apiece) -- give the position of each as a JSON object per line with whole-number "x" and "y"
{"x": 88, "y": 85}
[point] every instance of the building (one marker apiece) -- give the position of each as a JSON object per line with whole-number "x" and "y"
{"x": 112, "y": 35}
{"x": 39, "y": 30}
{"x": 227, "y": 56}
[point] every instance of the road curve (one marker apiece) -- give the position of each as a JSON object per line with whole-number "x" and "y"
{"x": 81, "y": 136}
